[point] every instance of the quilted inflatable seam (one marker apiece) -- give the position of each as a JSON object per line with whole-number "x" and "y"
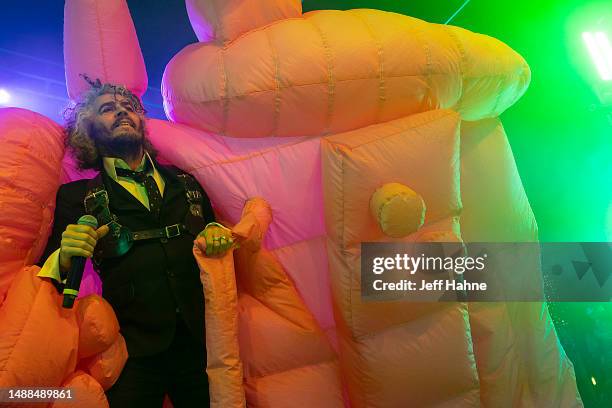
{"x": 217, "y": 26}
{"x": 462, "y": 62}
{"x": 182, "y": 99}
{"x": 295, "y": 243}
{"x": 342, "y": 249}
{"x": 277, "y": 84}
{"x": 247, "y": 156}
{"x": 101, "y": 39}
{"x": 329, "y": 361}
{"x": 19, "y": 337}
{"x": 223, "y": 92}
{"x": 298, "y": 326}
{"x": 422, "y": 39}
{"x": 262, "y": 28}
{"x": 411, "y": 321}
{"x": 331, "y": 87}
{"x": 29, "y": 194}
{"x": 26, "y": 150}
{"x": 399, "y": 130}
{"x": 17, "y": 243}
{"x": 501, "y": 75}
{"x": 381, "y": 66}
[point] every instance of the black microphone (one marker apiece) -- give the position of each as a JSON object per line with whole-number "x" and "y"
{"x": 73, "y": 282}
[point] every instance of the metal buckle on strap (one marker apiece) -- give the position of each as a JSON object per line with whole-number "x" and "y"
{"x": 173, "y": 230}
{"x": 93, "y": 196}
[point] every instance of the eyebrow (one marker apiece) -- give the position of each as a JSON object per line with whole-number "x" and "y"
{"x": 106, "y": 104}
{"x": 112, "y": 103}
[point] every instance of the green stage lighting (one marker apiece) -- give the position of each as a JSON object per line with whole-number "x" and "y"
{"x": 601, "y": 53}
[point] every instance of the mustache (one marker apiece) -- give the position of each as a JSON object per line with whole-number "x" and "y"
{"x": 118, "y": 122}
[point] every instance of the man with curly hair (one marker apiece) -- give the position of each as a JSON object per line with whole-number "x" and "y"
{"x": 143, "y": 252}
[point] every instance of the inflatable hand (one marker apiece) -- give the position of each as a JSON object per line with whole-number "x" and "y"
{"x": 45, "y": 345}
{"x": 42, "y": 344}
{"x": 358, "y": 101}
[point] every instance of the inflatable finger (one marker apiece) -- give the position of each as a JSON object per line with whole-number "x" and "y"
{"x": 284, "y": 353}
{"x": 41, "y": 342}
{"x": 333, "y": 71}
{"x": 224, "y": 367}
{"x": 87, "y": 392}
{"x": 379, "y": 341}
{"x": 36, "y": 330}
{"x": 504, "y": 333}
{"x": 105, "y": 367}
{"x": 96, "y": 33}
{"x": 31, "y": 150}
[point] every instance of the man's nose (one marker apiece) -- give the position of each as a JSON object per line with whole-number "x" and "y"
{"x": 121, "y": 111}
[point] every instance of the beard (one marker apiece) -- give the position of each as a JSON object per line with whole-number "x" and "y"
{"x": 125, "y": 143}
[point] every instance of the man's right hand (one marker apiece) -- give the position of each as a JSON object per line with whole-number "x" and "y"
{"x": 79, "y": 240}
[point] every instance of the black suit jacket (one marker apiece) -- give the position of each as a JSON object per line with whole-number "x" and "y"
{"x": 147, "y": 285}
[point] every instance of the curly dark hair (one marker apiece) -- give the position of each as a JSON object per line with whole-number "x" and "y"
{"x": 77, "y": 129}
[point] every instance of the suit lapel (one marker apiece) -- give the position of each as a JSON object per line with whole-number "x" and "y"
{"x": 173, "y": 186}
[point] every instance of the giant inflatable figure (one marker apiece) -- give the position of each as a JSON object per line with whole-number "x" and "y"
{"x": 311, "y": 133}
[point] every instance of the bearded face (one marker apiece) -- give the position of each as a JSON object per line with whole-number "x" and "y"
{"x": 118, "y": 130}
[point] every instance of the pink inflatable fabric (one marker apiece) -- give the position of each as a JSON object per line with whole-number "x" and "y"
{"x": 357, "y": 101}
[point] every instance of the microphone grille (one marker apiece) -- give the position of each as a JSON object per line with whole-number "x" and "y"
{"x": 88, "y": 220}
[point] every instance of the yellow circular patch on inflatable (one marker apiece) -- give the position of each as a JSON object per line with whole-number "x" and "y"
{"x": 398, "y": 209}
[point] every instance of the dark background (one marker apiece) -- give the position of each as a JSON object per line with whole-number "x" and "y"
{"x": 560, "y": 131}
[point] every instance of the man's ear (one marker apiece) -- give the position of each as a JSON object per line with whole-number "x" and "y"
{"x": 86, "y": 116}
{"x": 87, "y": 125}
{"x": 88, "y": 119}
